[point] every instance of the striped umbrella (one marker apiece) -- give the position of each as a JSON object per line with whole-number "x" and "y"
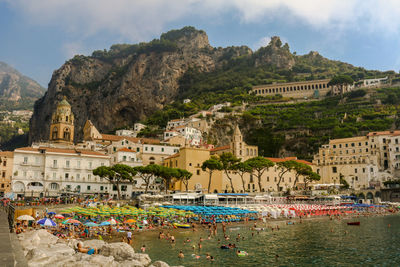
{"x": 46, "y": 222}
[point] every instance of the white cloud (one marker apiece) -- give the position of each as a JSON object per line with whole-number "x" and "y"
{"x": 138, "y": 20}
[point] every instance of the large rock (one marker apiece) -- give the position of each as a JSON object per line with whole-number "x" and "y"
{"x": 131, "y": 263}
{"x": 94, "y": 243}
{"x": 85, "y": 260}
{"x": 159, "y": 264}
{"x": 35, "y": 239}
{"x": 142, "y": 258}
{"x": 120, "y": 251}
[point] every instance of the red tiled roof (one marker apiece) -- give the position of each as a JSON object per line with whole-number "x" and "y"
{"x": 220, "y": 148}
{"x": 111, "y": 137}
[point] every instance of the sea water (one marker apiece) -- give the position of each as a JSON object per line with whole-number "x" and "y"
{"x": 316, "y": 242}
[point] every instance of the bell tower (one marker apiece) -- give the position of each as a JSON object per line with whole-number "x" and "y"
{"x": 237, "y": 143}
{"x": 62, "y": 124}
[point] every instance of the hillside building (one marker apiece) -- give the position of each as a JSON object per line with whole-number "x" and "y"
{"x": 6, "y": 171}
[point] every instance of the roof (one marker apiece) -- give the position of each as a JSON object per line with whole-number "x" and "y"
{"x": 126, "y": 150}
{"x": 220, "y": 148}
{"x": 111, "y": 137}
{"x": 64, "y": 102}
{"x": 61, "y": 150}
{"x": 289, "y": 158}
{"x": 7, "y": 154}
{"x": 172, "y": 156}
{"x": 394, "y": 133}
{"x": 176, "y": 120}
{"x": 289, "y": 83}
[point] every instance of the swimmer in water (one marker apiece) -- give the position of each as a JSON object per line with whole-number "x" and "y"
{"x": 180, "y": 255}
{"x": 143, "y": 248}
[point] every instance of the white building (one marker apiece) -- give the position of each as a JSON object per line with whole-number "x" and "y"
{"x": 137, "y": 127}
{"x": 126, "y": 156}
{"x": 374, "y": 82}
{"x": 185, "y": 101}
{"x": 44, "y": 171}
{"x": 124, "y": 132}
{"x": 175, "y": 123}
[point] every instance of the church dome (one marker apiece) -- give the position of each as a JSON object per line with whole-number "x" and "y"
{"x": 64, "y": 102}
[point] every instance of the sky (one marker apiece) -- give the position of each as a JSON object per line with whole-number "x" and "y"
{"x": 38, "y": 36}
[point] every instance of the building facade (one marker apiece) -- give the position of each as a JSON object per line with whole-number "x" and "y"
{"x": 49, "y": 172}
{"x": 6, "y": 171}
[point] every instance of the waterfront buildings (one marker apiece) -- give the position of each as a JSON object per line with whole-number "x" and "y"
{"x": 363, "y": 161}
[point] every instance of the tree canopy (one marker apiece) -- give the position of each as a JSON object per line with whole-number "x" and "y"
{"x": 211, "y": 165}
{"x": 259, "y": 165}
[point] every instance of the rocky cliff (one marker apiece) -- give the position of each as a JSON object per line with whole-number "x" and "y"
{"x": 16, "y": 88}
{"x": 120, "y": 86}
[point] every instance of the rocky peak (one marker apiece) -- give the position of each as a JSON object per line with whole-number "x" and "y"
{"x": 275, "y": 42}
{"x": 187, "y": 38}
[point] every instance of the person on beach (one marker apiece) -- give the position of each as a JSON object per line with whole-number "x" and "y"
{"x": 87, "y": 250}
{"x": 172, "y": 239}
{"x": 143, "y": 249}
{"x": 129, "y": 237}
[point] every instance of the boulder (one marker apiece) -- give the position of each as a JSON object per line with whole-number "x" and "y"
{"x": 142, "y": 258}
{"x": 120, "y": 251}
{"x": 159, "y": 264}
{"x": 94, "y": 243}
{"x": 131, "y": 263}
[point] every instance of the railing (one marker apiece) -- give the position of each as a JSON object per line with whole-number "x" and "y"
{"x": 10, "y": 210}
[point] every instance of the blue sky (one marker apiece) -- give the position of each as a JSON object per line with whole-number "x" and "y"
{"x": 38, "y": 36}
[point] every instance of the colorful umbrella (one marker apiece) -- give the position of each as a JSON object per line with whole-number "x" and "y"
{"x": 91, "y": 224}
{"x": 25, "y": 218}
{"x": 105, "y": 223}
{"x": 59, "y": 216}
{"x": 46, "y": 222}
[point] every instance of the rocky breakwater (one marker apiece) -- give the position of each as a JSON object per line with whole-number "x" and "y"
{"x": 44, "y": 249}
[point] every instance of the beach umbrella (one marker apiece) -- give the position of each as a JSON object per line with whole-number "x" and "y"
{"x": 25, "y": 218}
{"x": 105, "y": 223}
{"x": 112, "y": 221}
{"x": 46, "y": 222}
{"x": 51, "y": 213}
{"x": 91, "y": 224}
{"x": 70, "y": 221}
{"x": 130, "y": 221}
{"x": 59, "y": 216}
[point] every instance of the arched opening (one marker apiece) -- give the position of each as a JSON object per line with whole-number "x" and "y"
{"x": 67, "y": 134}
{"x": 54, "y": 133}
{"x": 378, "y": 194}
{"x": 361, "y": 196}
{"x": 35, "y": 186}
{"x": 370, "y": 195}
{"x": 18, "y": 187}
{"x": 66, "y": 118}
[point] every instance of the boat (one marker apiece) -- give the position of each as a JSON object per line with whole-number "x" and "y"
{"x": 353, "y": 223}
{"x": 181, "y": 225}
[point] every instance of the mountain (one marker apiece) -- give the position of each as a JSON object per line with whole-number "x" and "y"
{"x": 145, "y": 82}
{"x": 16, "y": 90}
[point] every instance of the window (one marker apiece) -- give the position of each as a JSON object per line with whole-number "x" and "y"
{"x": 152, "y": 148}
{"x": 145, "y": 148}
{"x": 67, "y": 163}
{"x": 251, "y": 178}
{"x": 89, "y": 177}
{"x": 68, "y": 187}
{"x": 101, "y": 188}
{"x": 275, "y": 180}
{"x": 124, "y": 158}
{"x": 55, "y": 163}
{"x": 78, "y": 176}
{"x": 90, "y": 165}
{"x": 25, "y": 160}
{"x": 88, "y": 187}
{"x": 334, "y": 169}
{"x": 54, "y": 133}
{"x": 66, "y": 175}
{"x": 363, "y": 170}
{"x": 162, "y": 149}
{"x": 37, "y": 161}
{"x": 78, "y": 164}
{"x": 352, "y": 144}
{"x": 355, "y": 170}
{"x": 267, "y": 178}
{"x": 137, "y": 149}
{"x": 3, "y": 174}
{"x": 54, "y": 175}
{"x": 124, "y": 187}
{"x": 334, "y": 146}
{"x": 190, "y": 164}
{"x": 198, "y": 172}
{"x": 4, "y": 163}
{"x": 24, "y": 173}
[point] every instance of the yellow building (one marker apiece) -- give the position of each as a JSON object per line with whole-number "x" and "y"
{"x": 350, "y": 158}
{"x": 62, "y": 124}
{"x": 6, "y": 168}
{"x": 191, "y": 159}
{"x": 237, "y": 147}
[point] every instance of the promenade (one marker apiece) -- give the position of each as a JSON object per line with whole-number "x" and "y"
{"x": 11, "y": 253}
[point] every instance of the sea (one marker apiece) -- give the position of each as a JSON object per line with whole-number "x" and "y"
{"x": 314, "y": 242}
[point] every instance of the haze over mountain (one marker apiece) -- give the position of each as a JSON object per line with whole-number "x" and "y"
{"x": 16, "y": 90}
